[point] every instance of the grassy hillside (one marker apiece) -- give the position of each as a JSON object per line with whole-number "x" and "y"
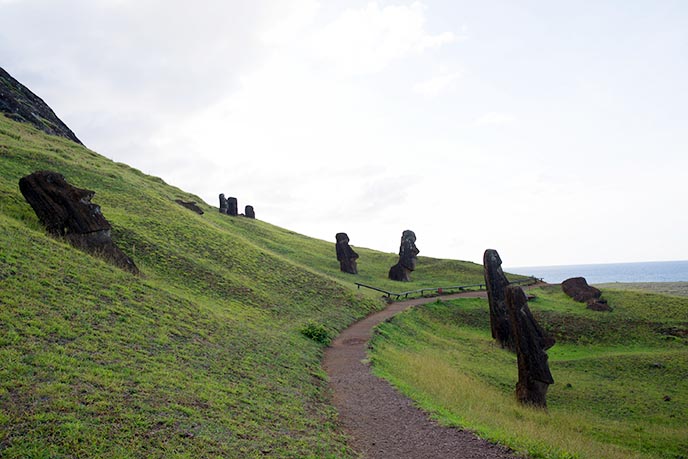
{"x": 620, "y": 378}
{"x": 201, "y": 355}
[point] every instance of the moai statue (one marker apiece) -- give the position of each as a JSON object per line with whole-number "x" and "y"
{"x": 223, "y": 204}
{"x": 232, "y": 207}
{"x": 345, "y": 254}
{"x": 408, "y": 253}
{"x": 496, "y": 283}
{"x": 532, "y": 343}
{"x": 249, "y": 212}
{"x": 67, "y": 211}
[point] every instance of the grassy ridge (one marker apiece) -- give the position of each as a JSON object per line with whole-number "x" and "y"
{"x": 612, "y": 372}
{"x": 200, "y": 356}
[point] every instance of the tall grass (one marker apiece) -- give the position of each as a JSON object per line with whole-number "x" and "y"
{"x": 608, "y": 400}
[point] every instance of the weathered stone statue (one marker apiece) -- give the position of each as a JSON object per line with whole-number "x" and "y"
{"x": 578, "y": 289}
{"x": 223, "y": 204}
{"x": 531, "y": 341}
{"x": 232, "y": 207}
{"x": 249, "y": 212}
{"x": 345, "y": 254}
{"x": 496, "y": 283}
{"x": 67, "y": 211}
{"x": 408, "y": 253}
{"x": 191, "y": 205}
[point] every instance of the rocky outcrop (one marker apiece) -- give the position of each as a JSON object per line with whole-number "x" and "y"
{"x": 408, "y": 253}
{"x": 20, "y": 104}
{"x": 531, "y": 344}
{"x": 232, "y": 207}
{"x": 345, "y": 254}
{"x": 496, "y": 284}
{"x": 249, "y": 212}
{"x": 68, "y": 212}
{"x": 223, "y": 204}
{"x": 191, "y": 205}
{"x": 578, "y": 289}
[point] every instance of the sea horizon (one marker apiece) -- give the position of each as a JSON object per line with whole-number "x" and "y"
{"x": 598, "y": 273}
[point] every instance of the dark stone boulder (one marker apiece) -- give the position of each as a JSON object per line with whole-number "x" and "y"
{"x": 223, "y": 204}
{"x": 408, "y": 253}
{"x": 17, "y": 102}
{"x": 599, "y": 305}
{"x": 232, "y": 207}
{"x": 68, "y": 212}
{"x": 578, "y": 289}
{"x": 191, "y": 205}
{"x": 249, "y": 212}
{"x": 345, "y": 254}
{"x": 531, "y": 342}
{"x": 496, "y": 284}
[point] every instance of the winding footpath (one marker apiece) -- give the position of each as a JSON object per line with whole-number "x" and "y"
{"x": 380, "y": 421}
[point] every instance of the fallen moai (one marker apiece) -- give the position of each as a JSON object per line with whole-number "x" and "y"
{"x": 68, "y": 212}
{"x": 578, "y": 289}
{"x": 407, "y": 258}
{"x": 191, "y": 205}
{"x": 345, "y": 254}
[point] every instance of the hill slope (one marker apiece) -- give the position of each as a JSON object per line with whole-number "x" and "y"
{"x": 201, "y": 355}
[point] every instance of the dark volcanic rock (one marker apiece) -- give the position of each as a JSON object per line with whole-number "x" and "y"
{"x": 578, "y": 289}
{"x": 223, "y": 204}
{"x": 496, "y": 284}
{"x": 249, "y": 212}
{"x": 345, "y": 254}
{"x": 20, "y": 104}
{"x": 408, "y": 253}
{"x": 191, "y": 205}
{"x": 598, "y": 305}
{"x": 67, "y": 211}
{"x": 531, "y": 341}
{"x": 232, "y": 207}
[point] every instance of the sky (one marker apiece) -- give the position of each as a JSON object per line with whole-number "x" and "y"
{"x": 555, "y": 132}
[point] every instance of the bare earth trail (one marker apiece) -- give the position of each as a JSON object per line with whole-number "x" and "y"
{"x": 381, "y": 422}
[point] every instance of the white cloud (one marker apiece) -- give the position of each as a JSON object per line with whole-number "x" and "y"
{"x": 494, "y": 119}
{"x": 436, "y": 85}
{"x": 367, "y": 40}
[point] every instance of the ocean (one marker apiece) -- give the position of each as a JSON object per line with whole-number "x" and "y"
{"x": 656, "y": 271}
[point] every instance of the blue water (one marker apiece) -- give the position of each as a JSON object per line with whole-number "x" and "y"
{"x": 656, "y": 271}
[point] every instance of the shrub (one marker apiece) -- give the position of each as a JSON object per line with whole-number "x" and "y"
{"x": 317, "y": 332}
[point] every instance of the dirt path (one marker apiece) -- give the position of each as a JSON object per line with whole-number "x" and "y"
{"x": 381, "y": 422}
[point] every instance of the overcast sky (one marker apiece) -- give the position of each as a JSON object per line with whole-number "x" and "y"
{"x": 553, "y": 131}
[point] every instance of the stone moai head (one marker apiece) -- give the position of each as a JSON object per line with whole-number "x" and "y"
{"x": 232, "y": 207}
{"x": 249, "y": 212}
{"x": 408, "y": 251}
{"x": 223, "y": 204}
{"x": 345, "y": 254}
{"x": 491, "y": 258}
{"x": 60, "y": 206}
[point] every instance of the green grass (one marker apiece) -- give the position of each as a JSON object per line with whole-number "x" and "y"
{"x": 667, "y": 288}
{"x": 203, "y": 355}
{"x": 612, "y": 372}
